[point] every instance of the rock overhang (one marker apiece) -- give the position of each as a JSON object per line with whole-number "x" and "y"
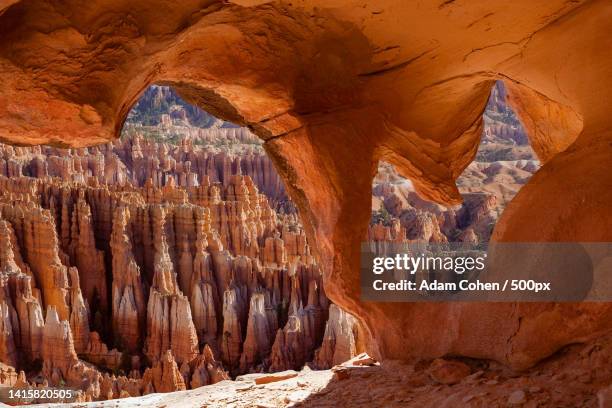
{"x": 334, "y": 87}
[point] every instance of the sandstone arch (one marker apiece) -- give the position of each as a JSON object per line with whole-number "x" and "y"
{"x": 335, "y": 86}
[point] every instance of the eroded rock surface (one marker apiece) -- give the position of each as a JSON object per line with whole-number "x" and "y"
{"x": 170, "y": 287}
{"x": 335, "y": 87}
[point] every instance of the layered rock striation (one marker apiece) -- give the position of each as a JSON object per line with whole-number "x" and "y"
{"x": 335, "y": 87}
{"x": 120, "y": 290}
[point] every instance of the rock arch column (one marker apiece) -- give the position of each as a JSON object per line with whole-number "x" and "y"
{"x": 331, "y": 183}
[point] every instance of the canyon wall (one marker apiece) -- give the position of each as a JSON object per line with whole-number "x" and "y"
{"x": 333, "y": 88}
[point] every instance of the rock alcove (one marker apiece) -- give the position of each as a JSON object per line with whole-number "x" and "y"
{"x": 334, "y": 87}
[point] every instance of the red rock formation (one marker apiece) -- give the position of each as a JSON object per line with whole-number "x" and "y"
{"x": 8, "y": 351}
{"x": 403, "y": 216}
{"x": 42, "y": 253}
{"x": 168, "y": 262}
{"x": 58, "y": 353}
{"x": 79, "y": 313}
{"x": 295, "y": 343}
{"x": 168, "y": 259}
{"x": 27, "y": 333}
{"x": 169, "y": 322}
{"x": 128, "y": 290}
{"x": 164, "y": 376}
{"x": 261, "y": 328}
{"x": 339, "y": 341}
{"x": 98, "y": 353}
{"x": 137, "y": 161}
{"x": 233, "y": 311}
{"x": 335, "y": 88}
{"x": 206, "y": 370}
{"x": 9, "y": 377}
{"x": 201, "y": 285}
{"x": 88, "y": 260}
